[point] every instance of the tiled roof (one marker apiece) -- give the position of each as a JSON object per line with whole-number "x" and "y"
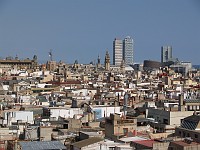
{"x": 189, "y": 125}
{"x": 147, "y": 143}
{"x": 192, "y": 101}
{"x": 42, "y": 145}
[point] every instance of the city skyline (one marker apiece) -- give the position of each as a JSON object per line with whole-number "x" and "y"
{"x": 77, "y": 30}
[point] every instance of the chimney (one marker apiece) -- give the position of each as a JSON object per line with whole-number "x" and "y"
{"x": 195, "y": 113}
{"x": 180, "y": 98}
{"x": 181, "y": 106}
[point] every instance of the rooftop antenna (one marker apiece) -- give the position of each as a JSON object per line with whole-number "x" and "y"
{"x": 50, "y": 55}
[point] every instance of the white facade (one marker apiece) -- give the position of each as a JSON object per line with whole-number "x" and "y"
{"x": 14, "y": 116}
{"x": 65, "y": 112}
{"x": 25, "y": 99}
{"x": 105, "y": 111}
{"x": 40, "y": 73}
{"x": 106, "y": 145}
{"x": 80, "y": 92}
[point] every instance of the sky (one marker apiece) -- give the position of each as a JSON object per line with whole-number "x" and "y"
{"x": 83, "y": 29}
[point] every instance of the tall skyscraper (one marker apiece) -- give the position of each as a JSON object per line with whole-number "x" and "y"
{"x": 128, "y": 50}
{"x": 166, "y": 53}
{"x": 117, "y": 52}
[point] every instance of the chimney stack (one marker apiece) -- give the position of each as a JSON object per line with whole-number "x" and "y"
{"x": 181, "y": 106}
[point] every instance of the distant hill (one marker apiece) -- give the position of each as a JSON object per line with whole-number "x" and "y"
{"x": 196, "y": 66}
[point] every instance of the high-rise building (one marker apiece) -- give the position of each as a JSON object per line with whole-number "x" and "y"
{"x": 128, "y": 50}
{"x": 166, "y": 53}
{"x": 117, "y": 52}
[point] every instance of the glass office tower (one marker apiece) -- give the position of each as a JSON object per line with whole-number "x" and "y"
{"x": 166, "y": 53}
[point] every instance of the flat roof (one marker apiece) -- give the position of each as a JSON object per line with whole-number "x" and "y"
{"x": 135, "y": 138}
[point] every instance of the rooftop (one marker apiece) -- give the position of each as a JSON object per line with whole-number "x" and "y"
{"x": 135, "y": 138}
{"x": 42, "y": 145}
{"x": 182, "y": 143}
{"x": 86, "y": 142}
{"x": 147, "y": 143}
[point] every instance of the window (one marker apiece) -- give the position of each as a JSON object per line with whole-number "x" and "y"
{"x": 183, "y": 134}
{"x": 188, "y": 135}
{"x": 165, "y": 121}
{"x": 157, "y": 119}
{"x": 125, "y": 130}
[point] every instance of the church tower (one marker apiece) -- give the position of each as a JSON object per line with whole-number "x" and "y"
{"x": 98, "y": 62}
{"x": 107, "y": 61}
{"x": 122, "y": 66}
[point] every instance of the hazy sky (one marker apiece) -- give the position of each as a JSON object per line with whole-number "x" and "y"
{"x": 82, "y": 29}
